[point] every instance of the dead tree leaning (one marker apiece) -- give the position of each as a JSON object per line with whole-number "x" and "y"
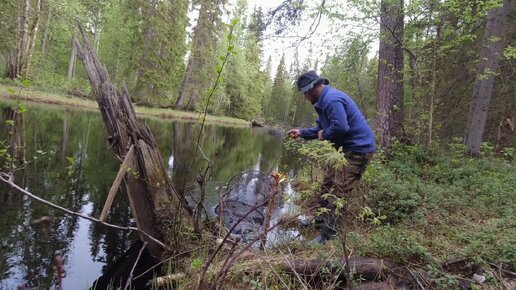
{"x": 154, "y": 202}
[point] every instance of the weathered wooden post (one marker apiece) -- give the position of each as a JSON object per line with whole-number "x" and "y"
{"x": 153, "y": 200}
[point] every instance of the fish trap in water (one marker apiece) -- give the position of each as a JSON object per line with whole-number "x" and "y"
{"x": 242, "y": 208}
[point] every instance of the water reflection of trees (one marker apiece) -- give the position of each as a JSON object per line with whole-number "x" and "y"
{"x": 26, "y": 249}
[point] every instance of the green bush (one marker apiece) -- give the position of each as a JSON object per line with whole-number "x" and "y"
{"x": 410, "y": 177}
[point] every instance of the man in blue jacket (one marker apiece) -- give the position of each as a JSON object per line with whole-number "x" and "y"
{"x": 341, "y": 123}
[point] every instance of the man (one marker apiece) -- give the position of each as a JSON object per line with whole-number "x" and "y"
{"x": 340, "y": 122}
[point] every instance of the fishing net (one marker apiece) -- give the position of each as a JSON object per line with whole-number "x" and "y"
{"x": 242, "y": 207}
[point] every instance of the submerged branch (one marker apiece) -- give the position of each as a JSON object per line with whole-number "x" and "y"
{"x": 7, "y": 179}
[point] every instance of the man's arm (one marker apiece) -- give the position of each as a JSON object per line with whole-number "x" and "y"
{"x": 338, "y": 120}
{"x": 311, "y": 133}
{"x": 306, "y": 133}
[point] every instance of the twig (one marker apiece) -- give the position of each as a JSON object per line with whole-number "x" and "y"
{"x": 272, "y": 268}
{"x": 502, "y": 270}
{"x": 130, "y": 278}
{"x": 7, "y": 178}
{"x": 417, "y": 280}
{"x": 226, "y": 237}
{"x": 293, "y": 268}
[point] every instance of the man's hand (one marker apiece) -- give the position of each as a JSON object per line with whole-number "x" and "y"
{"x": 320, "y": 135}
{"x": 294, "y": 133}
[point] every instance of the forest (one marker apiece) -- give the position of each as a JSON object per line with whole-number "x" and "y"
{"x": 453, "y": 73}
{"x": 436, "y": 81}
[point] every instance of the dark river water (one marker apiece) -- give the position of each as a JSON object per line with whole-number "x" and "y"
{"x": 68, "y": 162}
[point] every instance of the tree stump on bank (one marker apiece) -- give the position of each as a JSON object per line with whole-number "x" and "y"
{"x": 153, "y": 200}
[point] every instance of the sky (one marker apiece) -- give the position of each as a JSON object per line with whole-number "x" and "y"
{"x": 324, "y": 41}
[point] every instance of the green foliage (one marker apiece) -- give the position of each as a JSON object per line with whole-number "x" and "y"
{"x": 411, "y": 178}
{"x": 441, "y": 279}
{"x": 196, "y": 263}
{"x": 321, "y": 153}
{"x": 510, "y": 53}
{"x": 278, "y": 103}
{"x": 161, "y": 64}
{"x": 397, "y": 244}
{"x": 465, "y": 204}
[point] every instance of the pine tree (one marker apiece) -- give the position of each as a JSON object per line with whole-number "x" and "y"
{"x": 161, "y": 64}
{"x": 278, "y": 104}
{"x": 200, "y": 70}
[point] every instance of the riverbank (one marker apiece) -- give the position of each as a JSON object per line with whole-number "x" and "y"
{"x": 34, "y": 95}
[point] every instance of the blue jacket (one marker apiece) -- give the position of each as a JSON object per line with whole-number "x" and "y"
{"x": 342, "y": 122}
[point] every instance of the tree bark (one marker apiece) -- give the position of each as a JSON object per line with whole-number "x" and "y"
{"x": 15, "y": 59}
{"x": 45, "y": 34}
{"x": 32, "y": 39}
{"x": 492, "y": 46}
{"x": 390, "y": 72}
{"x": 44, "y": 41}
{"x": 18, "y": 63}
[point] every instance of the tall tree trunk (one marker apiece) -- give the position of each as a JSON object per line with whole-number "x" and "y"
{"x": 492, "y": 45}
{"x": 45, "y": 40}
{"x": 71, "y": 63}
{"x": 32, "y": 39}
{"x": 390, "y": 72}
{"x": 143, "y": 89}
{"x": 45, "y": 33}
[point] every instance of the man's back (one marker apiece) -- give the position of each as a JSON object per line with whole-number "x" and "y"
{"x": 343, "y": 122}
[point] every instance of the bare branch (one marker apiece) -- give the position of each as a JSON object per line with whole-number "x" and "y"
{"x": 7, "y": 179}
{"x": 130, "y": 278}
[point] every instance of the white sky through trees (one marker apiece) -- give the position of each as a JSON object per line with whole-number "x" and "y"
{"x": 328, "y": 35}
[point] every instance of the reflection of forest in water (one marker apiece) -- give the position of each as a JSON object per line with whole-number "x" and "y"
{"x": 48, "y": 136}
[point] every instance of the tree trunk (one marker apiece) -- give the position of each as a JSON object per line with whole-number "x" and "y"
{"x": 154, "y": 203}
{"x": 15, "y": 61}
{"x": 45, "y": 34}
{"x": 18, "y": 63}
{"x": 45, "y": 40}
{"x": 32, "y": 39}
{"x": 390, "y": 72}
{"x": 143, "y": 89}
{"x": 71, "y": 63}
{"x": 492, "y": 46}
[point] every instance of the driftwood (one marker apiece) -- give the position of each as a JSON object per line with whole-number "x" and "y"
{"x": 151, "y": 195}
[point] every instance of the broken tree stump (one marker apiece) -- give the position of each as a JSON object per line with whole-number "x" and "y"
{"x": 154, "y": 202}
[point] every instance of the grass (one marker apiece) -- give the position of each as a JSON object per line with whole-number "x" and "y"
{"x": 33, "y": 95}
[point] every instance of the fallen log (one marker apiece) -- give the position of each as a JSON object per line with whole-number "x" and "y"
{"x": 367, "y": 268}
{"x": 154, "y": 202}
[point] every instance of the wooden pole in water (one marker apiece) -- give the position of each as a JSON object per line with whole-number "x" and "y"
{"x": 128, "y": 159}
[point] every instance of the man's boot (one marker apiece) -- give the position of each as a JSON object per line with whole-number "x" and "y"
{"x": 325, "y": 234}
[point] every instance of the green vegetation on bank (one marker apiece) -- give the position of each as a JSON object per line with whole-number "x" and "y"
{"x": 425, "y": 207}
{"x": 33, "y": 95}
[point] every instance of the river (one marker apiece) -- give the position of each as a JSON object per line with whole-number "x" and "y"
{"x": 68, "y": 162}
